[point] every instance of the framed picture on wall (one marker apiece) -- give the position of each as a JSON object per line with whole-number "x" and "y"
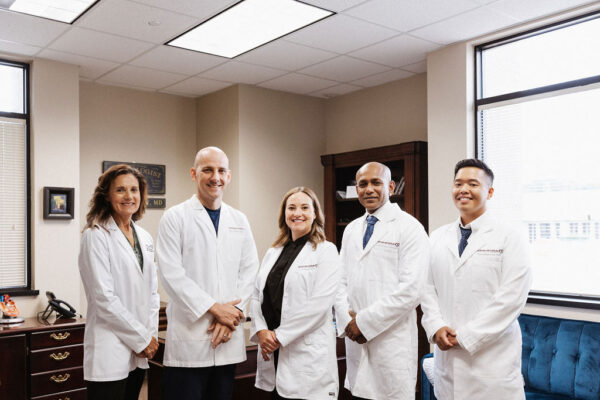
{"x": 59, "y": 203}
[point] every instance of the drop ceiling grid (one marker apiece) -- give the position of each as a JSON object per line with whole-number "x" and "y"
{"x": 367, "y": 43}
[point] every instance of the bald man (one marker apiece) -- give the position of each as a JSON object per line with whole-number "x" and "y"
{"x": 207, "y": 262}
{"x": 385, "y": 254}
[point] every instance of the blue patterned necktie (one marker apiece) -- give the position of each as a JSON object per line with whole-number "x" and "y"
{"x": 464, "y": 235}
{"x": 371, "y": 220}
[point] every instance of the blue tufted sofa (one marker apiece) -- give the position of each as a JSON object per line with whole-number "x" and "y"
{"x": 561, "y": 359}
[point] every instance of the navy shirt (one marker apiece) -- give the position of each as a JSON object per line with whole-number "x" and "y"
{"x": 214, "y": 217}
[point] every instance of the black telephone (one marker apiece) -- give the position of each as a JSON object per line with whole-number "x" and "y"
{"x": 62, "y": 308}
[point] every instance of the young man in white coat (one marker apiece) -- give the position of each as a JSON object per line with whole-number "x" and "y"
{"x": 384, "y": 262}
{"x": 478, "y": 282}
{"x": 207, "y": 262}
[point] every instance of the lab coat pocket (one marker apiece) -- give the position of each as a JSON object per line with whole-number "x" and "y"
{"x": 485, "y": 272}
{"x": 310, "y": 353}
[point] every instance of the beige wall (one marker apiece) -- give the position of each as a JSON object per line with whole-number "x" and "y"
{"x": 54, "y": 162}
{"x": 392, "y": 113}
{"x": 118, "y": 124}
{"x": 282, "y": 137}
{"x": 273, "y": 141}
{"x": 217, "y": 119}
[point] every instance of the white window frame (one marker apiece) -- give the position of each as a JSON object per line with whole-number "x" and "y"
{"x": 557, "y": 299}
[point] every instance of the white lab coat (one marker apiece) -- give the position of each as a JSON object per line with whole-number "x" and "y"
{"x": 122, "y": 301}
{"x": 198, "y": 269}
{"x": 480, "y": 295}
{"x": 307, "y": 364}
{"x": 382, "y": 284}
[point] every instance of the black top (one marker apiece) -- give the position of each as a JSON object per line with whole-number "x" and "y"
{"x": 273, "y": 291}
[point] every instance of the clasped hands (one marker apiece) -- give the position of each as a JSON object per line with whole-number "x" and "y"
{"x": 445, "y": 338}
{"x": 150, "y": 350}
{"x": 268, "y": 343}
{"x": 352, "y": 331}
{"x": 227, "y": 317}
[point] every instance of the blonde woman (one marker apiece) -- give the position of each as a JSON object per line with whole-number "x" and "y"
{"x": 291, "y": 306}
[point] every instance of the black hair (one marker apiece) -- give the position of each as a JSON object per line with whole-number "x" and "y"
{"x": 473, "y": 162}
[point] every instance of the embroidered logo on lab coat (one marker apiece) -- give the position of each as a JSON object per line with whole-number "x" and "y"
{"x": 307, "y": 266}
{"x": 236, "y": 228}
{"x": 396, "y": 244}
{"x": 150, "y": 248}
{"x": 491, "y": 252}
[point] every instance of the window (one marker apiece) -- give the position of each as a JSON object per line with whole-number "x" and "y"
{"x": 15, "y": 266}
{"x": 538, "y": 128}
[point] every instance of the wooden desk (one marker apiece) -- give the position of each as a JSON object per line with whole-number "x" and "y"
{"x": 42, "y": 361}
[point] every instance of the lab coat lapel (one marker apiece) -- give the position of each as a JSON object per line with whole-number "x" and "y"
{"x": 451, "y": 242}
{"x": 147, "y": 251}
{"x": 379, "y": 231}
{"x": 473, "y": 244}
{"x": 301, "y": 256}
{"x": 201, "y": 215}
{"x": 117, "y": 235}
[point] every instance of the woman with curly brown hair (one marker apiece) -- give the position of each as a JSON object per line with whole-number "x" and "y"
{"x": 116, "y": 261}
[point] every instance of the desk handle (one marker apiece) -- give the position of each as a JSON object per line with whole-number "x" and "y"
{"x": 66, "y": 398}
{"x": 60, "y": 356}
{"x": 60, "y": 336}
{"x": 60, "y": 378}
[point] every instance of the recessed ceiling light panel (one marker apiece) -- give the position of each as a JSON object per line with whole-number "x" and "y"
{"x": 247, "y": 25}
{"x": 58, "y": 10}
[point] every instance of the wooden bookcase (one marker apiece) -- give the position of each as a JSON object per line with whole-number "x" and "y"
{"x": 408, "y": 160}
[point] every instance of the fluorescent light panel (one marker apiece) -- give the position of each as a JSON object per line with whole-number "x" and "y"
{"x": 58, "y": 10}
{"x": 247, "y": 25}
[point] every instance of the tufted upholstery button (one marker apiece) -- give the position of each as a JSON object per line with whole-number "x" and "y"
{"x": 554, "y": 351}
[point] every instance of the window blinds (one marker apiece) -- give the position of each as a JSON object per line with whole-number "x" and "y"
{"x": 13, "y": 203}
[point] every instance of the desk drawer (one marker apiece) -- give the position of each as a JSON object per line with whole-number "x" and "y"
{"x": 56, "y": 381}
{"x": 56, "y": 358}
{"x": 71, "y": 395}
{"x": 57, "y": 337}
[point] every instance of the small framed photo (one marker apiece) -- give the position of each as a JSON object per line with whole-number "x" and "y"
{"x": 59, "y": 203}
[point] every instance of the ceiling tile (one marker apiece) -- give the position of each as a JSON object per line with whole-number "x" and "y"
{"x": 198, "y": 8}
{"x": 465, "y": 26}
{"x": 99, "y": 45}
{"x": 286, "y": 55}
{"x": 405, "y": 15}
{"x": 297, "y": 83}
{"x": 344, "y": 69}
{"x": 89, "y": 68}
{"x": 18, "y": 48}
{"x": 234, "y": 71}
{"x": 130, "y": 19}
{"x": 195, "y": 87}
{"x": 172, "y": 59}
{"x": 141, "y": 77}
{"x": 384, "y": 77}
{"x": 417, "y": 68}
{"x": 531, "y": 9}
{"x": 336, "y": 90}
{"x": 26, "y": 29}
{"x": 340, "y": 34}
{"x": 397, "y": 51}
{"x": 334, "y": 5}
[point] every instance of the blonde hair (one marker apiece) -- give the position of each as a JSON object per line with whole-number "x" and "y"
{"x": 317, "y": 231}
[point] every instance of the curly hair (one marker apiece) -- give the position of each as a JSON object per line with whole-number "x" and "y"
{"x": 100, "y": 207}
